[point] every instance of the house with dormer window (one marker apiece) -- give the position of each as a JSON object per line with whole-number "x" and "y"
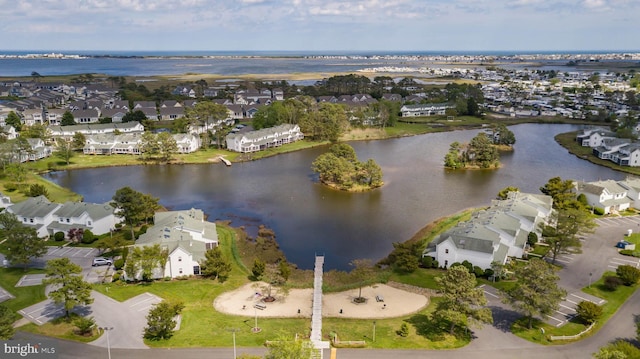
{"x": 185, "y": 236}
{"x": 608, "y": 195}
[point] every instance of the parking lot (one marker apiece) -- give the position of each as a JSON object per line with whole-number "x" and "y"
{"x": 4, "y": 295}
{"x": 30, "y": 279}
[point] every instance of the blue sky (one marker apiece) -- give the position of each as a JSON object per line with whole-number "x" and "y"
{"x": 317, "y": 25}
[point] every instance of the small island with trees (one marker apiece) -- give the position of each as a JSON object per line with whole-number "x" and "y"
{"x": 482, "y": 151}
{"x": 340, "y": 169}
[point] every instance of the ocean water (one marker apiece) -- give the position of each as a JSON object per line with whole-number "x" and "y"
{"x": 149, "y": 63}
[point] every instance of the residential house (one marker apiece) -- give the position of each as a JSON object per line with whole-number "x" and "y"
{"x": 632, "y": 185}
{"x": 115, "y": 114}
{"x": 67, "y": 132}
{"x": 98, "y": 218}
{"x": 35, "y": 212}
{"x": 9, "y": 132}
{"x": 277, "y": 94}
{"x": 86, "y": 116}
{"x": 32, "y": 117}
{"x": 187, "y": 143}
{"x": 425, "y": 109}
{"x": 185, "y": 236}
{"x": 54, "y": 116}
{"x": 594, "y": 137}
{"x": 138, "y": 105}
{"x": 210, "y": 92}
{"x": 608, "y": 195}
{"x": 39, "y": 150}
{"x": 111, "y": 144}
{"x": 262, "y": 139}
{"x": 609, "y": 148}
{"x": 494, "y": 234}
{"x": 171, "y": 113}
{"x": 5, "y": 201}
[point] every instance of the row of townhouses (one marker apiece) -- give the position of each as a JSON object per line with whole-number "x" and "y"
{"x": 48, "y": 218}
{"x": 495, "y": 234}
{"x": 607, "y": 146}
{"x": 263, "y": 139}
{"x": 609, "y": 195}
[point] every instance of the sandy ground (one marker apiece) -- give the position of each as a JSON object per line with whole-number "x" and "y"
{"x": 298, "y": 302}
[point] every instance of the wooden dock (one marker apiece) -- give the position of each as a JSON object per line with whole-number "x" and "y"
{"x": 225, "y": 161}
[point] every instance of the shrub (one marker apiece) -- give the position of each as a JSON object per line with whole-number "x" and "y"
{"x": 488, "y": 273}
{"x": 116, "y": 277}
{"x": 58, "y": 236}
{"x": 403, "y": 331}
{"x": 11, "y": 186}
{"x": 37, "y": 189}
{"x": 589, "y": 311}
{"x": 479, "y": 272}
{"x": 629, "y": 274}
{"x": 127, "y": 235}
{"x": 611, "y": 283}
{"x": 629, "y": 252}
{"x": 427, "y": 262}
{"x": 468, "y": 265}
{"x": 85, "y": 325}
{"x": 435, "y": 264}
{"x": 599, "y": 211}
{"x": 118, "y": 264}
{"x": 125, "y": 253}
{"x": 532, "y": 239}
{"x": 88, "y": 237}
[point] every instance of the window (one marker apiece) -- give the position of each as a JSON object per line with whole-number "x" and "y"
{"x": 30, "y": 220}
{"x": 88, "y": 223}
{"x": 180, "y": 270}
{"x": 68, "y": 220}
{"x": 446, "y": 250}
{"x": 446, "y": 263}
{"x": 179, "y": 259}
{"x": 196, "y": 269}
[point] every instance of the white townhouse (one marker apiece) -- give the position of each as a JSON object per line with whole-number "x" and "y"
{"x": 32, "y": 117}
{"x": 9, "y": 132}
{"x": 54, "y": 116}
{"x": 98, "y": 218}
{"x": 494, "y": 234}
{"x": 95, "y": 129}
{"x": 425, "y": 109}
{"x": 39, "y": 150}
{"x": 610, "y": 147}
{"x": 112, "y": 144}
{"x": 262, "y": 139}
{"x": 37, "y": 212}
{"x": 594, "y": 137}
{"x": 608, "y": 195}
{"x": 627, "y": 155}
{"x": 5, "y": 201}
{"x": 187, "y": 143}
{"x": 632, "y": 185}
{"x": 185, "y": 236}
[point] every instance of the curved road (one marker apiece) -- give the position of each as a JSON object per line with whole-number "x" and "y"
{"x": 491, "y": 342}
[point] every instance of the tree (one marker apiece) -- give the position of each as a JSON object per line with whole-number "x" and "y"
{"x": 16, "y": 172}
{"x": 405, "y": 257}
{"x": 67, "y": 119}
{"x": 361, "y": 273}
{"x": 481, "y": 152}
{"x": 79, "y": 140}
{"x": 85, "y": 325}
{"x": 536, "y": 291}
{"x": 7, "y": 318}
{"x": 562, "y": 192}
{"x": 134, "y": 116}
{"x": 149, "y": 146}
{"x": 134, "y": 206}
{"x": 37, "y": 189}
{"x": 71, "y": 290}
{"x": 502, "y": 135}
{"x": 284, "y": 348}
{"x": 167, "y": 146}
{"x": 453, "y": 159}
{"x": 215, "y": 265}
{"x": 65, "y": 151}
{"x": 14, "y": 121}
{"x": 22, "y": 242}
{"x": 258, "y": 268}
{"x": 505, "y": 191}
{"x": 562, "y": 231}
{"x": 160, "y": 322}
{"x": 588, "y": 311}
{"x": 284, "y": 270}
{"x": 143, "y": 261}
{"x": 629, "y": 274}
{"x": 461, "y": 299}
{"x": 205, "y": 113}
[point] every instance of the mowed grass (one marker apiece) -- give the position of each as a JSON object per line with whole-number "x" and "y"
{"x": 63, "y": 328}
{"x": 614, "y": 300}
{"x": 24, "y": 296}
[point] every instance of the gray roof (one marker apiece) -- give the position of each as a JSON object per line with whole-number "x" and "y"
{"x": 95, "y": 126}
{"x": 76, "y": 209}
{"x": 177, "y": 225}
{"x": 34, "y": 207}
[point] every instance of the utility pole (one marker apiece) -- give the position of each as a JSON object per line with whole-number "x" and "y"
{"x": 107, "y": 330}
{"x": 234, "y": 331}
{"x": 374, "y": 330}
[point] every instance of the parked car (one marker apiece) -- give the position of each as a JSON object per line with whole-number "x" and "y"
{"x": 622, "y": 244}
{"x": 101, "y": 261}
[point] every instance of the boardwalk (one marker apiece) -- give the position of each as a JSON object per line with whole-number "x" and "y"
{"x": 316, "y": 314}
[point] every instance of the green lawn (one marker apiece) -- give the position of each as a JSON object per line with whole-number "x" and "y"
{"x": 425, "y": 278}
{"x": 24, "y": 296}
{"x": 614, "y": 300}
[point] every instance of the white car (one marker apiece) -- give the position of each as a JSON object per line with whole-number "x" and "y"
{"x": 101, "y": 261}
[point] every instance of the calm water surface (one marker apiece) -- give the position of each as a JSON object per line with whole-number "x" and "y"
{"x": 282, "y": 192}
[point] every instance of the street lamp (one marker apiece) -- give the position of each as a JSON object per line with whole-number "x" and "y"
{"x": 106, "y": 330}
{"x": 234, "y": 330}
{"x": 590, "y": 274}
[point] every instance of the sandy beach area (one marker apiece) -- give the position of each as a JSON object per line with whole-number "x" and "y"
{"x": 382, "y": 301}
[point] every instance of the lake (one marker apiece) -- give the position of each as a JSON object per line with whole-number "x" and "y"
{"x": 283, "y": 193}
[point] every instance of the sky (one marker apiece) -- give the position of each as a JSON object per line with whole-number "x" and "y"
{"x": 320, "y": 25}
